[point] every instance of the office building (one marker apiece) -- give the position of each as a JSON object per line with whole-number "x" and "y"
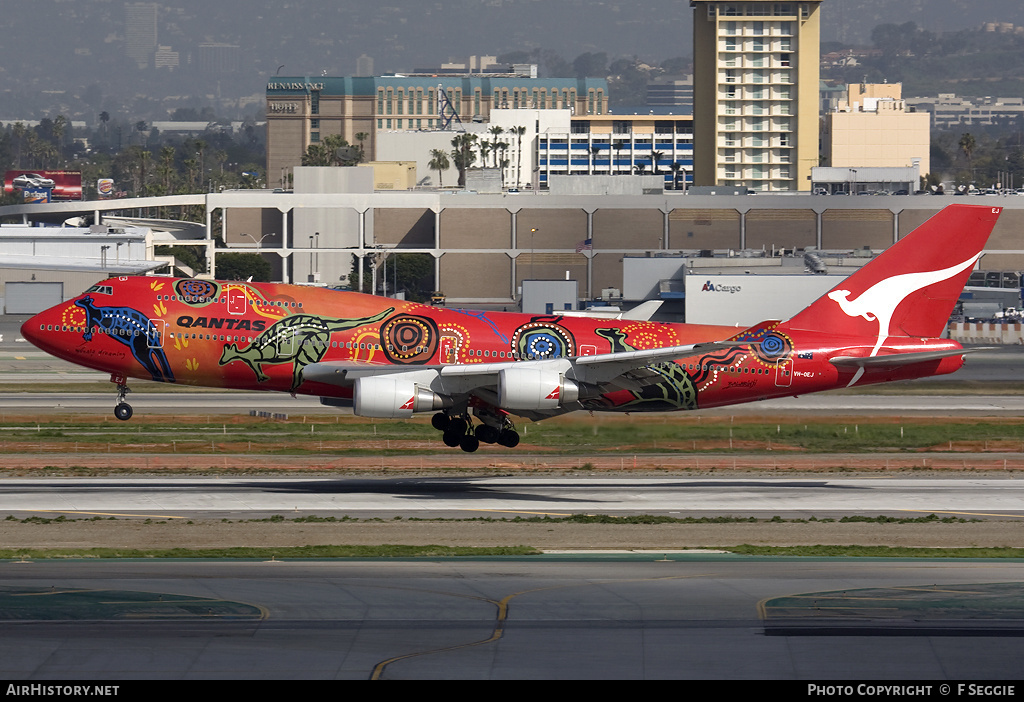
{"x": 873, "y": 127}
{"x": 140, "y": 34}
{"x": 304, "y": 110}
{"x": 756, "y": 93}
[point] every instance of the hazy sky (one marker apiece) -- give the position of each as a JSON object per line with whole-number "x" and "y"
{"x": 72, "y": 55}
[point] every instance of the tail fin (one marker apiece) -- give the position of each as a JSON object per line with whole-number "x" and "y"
{"x": 910, "y": 289}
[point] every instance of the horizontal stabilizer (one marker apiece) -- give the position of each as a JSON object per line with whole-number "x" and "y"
{"x": 895, "y": 360}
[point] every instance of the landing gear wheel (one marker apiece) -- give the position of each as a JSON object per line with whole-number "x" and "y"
{"x": 440, "y": 421}
{"x": 123, "y": 411}
{"x": 452, "y": 439}
{"x": 508, "y": 438}
{"x": 487, "y": 434}
{"x": 469, "y": 443}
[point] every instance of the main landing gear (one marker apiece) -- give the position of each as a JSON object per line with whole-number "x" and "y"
{"x": 122, "y": 410}
{"x": 459, "y": 431}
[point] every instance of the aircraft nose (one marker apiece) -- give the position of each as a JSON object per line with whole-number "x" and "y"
{"x": 34, "y": 329}
{"x": 30, "y": 330}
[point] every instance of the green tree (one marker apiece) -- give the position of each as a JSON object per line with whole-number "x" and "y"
{"x": 411, "y": 273}
{"x": 439, "y": 162}
{"x": 495, "y": 131}
{"x": 591, "y": 65}
{"x": 362, "y": 137}
{"x": 242, "y": 266}
{"x": 967, "y": 145}
{"x": 519, "y": 132}
{"x": 187, "y": 255}
{"x": 60, "y": 124}
{"x": 463, "y": 155}
{"x": 655, "y": 157}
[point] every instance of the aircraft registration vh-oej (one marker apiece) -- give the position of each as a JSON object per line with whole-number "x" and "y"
{"x": 391, "y": 358}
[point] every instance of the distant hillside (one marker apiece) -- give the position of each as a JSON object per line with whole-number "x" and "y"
{"x": 851, "y": 21}
{"x": 970, "y": 62}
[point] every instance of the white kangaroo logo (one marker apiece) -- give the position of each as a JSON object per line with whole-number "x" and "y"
{"x": 879, "y": 302}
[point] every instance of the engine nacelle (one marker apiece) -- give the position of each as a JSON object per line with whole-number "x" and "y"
{"x": 535, "y": 389}
{"x": 393, "y": 397}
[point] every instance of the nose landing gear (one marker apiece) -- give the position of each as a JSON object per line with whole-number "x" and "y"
{"x": 122, "y": 410}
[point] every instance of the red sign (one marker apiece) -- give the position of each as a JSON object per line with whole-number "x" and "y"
{"x": 63, "y": 185}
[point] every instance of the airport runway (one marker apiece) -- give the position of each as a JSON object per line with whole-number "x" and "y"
{"x": 200, "y": 403}
{"x": 690, "y": 617}
{"x": 507, "y": 497}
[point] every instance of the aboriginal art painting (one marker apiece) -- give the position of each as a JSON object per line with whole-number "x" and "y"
{"x": 132, "y": 329}
{"x": 298, "y": 340}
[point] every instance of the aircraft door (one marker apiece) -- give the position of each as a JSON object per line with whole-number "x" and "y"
{"x": 155, "y": 333}
{"x": 236, "y": 301}
{"x": 449, "y": 349}
{"x": 784, "y": 373}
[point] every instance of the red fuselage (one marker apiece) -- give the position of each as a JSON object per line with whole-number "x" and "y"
{"x": 259, "y": 336}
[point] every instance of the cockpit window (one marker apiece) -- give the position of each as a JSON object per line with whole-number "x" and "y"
{"x": 102, "y": 289}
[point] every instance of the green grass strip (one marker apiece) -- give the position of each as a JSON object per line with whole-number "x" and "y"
{"x": 263, "y": 553}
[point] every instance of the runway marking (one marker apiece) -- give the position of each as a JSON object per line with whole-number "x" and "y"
{"x": 932, "y": 589}
{"x": 502, "y": 615}
{"x": 970, "y": 514}
{"x": 102, "y": 514}
{"x": 48, "y": 593}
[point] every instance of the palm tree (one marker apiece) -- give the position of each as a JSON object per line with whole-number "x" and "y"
{"x": 485, "y": 149}
{"x": 166, "y": 168}
{"x": 595, "y": 151}
{"x": 463, "y": 155}
{"x": 60, "y": 124}
{"x": 140, "y": 127}
{"x": 676, "y": 167}
{"x": 201, "y": 154}
{"x": 32, "y": 142}
{"x": 439, "y": 162}
{"x": 519, "y": 132}
{"x": 495, "y": 132}
{"x": 619, "y": 145}
{"x": 317, "y": 155}
{"x": 220, "y": 156}
{"x": 503, "y": 165}
{"x": 144, "y": 157}
{"x": 967, "y": 144}
{"x": 655, "y": 157}
{"x": 104, "y": 118}
{"x": 361, "y": 137}
{"x": 190, "y": 165}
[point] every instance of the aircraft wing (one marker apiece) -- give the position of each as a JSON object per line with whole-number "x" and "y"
{"x": 465, "y": 377}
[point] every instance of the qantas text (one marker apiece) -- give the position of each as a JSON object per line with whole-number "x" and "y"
{"x": 221, "y": 323}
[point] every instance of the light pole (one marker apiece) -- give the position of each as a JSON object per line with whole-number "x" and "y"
{"x": 532, "y": 232}
{"x": 314, "y": 258}
{"x": 259, "y": 241}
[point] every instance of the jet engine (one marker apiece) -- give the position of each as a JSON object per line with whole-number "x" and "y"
{"x": 393, "y": 397}
{"x": 535, "y": 389}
